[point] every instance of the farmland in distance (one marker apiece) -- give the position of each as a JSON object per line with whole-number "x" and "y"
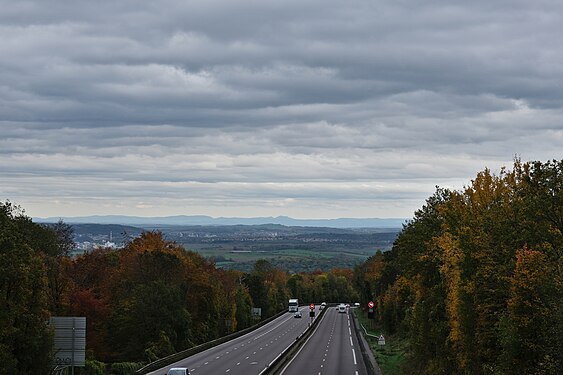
{"x": 295, "y": 249}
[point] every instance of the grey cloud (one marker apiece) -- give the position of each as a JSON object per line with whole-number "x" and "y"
{"x": 277, "y": 104}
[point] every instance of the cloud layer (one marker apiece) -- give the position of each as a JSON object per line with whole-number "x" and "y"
{"x": 307, "y": 109}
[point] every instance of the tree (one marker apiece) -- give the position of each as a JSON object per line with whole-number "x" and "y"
{"x": 464, "y": 295}
{"x": 25, "y": 339}
{"x": 532, "y": 337}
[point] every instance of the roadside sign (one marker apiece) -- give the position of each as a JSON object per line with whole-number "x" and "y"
{"x": 312, "y": 306}
{"x": 381, "y": 340}
{"x": 69, "y": 340}
{"x": 371, "y": 304}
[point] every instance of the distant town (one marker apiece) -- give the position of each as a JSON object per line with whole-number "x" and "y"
{"x": 293, "y": 248}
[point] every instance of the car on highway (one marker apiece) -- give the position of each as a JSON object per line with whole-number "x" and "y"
{"x": 341, "y": 308}
{"x": 178, "y": 371}
{"x": 297, "y": 314}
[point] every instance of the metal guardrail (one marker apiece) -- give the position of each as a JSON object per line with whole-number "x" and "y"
{"x": 59, "y": 370}
{"x": 366, "y": 332}
{"x": 161, "y": 362}
{"x": 288, "y": 353}
{"x": 371, "y": 364}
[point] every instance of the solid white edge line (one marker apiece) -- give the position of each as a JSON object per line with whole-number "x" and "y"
{"x": 279, "y": 355}
{"x": 242, "y": 338}
{"x": 304, "y": 345}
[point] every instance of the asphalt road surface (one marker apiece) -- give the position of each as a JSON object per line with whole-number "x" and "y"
{"x": 331, "y": 350}
{"x": 248, "y": 354}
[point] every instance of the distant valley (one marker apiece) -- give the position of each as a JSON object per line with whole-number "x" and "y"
{"x": 294, "y": 248}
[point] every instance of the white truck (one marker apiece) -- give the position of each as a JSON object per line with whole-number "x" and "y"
{"x": 293, "y": 305}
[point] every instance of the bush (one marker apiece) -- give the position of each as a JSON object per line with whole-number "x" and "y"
{"x": 125, "y": 368}
{"x": 94, "y": 367}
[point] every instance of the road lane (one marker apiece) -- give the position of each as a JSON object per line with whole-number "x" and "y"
{"x": 248, "y": 354}
{"x": 331, "y": 350}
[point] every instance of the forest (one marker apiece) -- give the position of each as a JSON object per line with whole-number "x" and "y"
{"x": 474, "y": 282}
{"x": 147, "y": 300}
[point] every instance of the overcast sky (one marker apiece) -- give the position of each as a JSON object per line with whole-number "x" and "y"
{"x": 311, "y": 109}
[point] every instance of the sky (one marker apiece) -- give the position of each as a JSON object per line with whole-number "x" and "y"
{"x": 309, "y": 109}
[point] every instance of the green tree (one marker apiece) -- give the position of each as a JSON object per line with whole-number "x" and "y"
{"x": 534, "y": 326}
{"x": 456, "y": 287}
{"x": 25, "y": 338}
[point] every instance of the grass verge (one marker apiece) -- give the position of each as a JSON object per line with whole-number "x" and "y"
{"x": 391, "y": 356}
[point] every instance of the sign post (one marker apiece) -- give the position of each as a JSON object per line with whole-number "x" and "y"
{"x": 70, "y": 341}
{"x": 371, "y": 306}
{"x": 257, "y": 313}
{"x": 381, "y": 340}
{"x": 312, "y": 312}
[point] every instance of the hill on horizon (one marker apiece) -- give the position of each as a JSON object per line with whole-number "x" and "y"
{"x": 211, "y": 221}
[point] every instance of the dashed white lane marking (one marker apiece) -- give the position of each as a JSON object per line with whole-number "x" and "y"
{"x": 351, "y": 343}
{"x": 354, "y": 354}
{"x": 241, "y": 345}
{"x": 228, "y": 370}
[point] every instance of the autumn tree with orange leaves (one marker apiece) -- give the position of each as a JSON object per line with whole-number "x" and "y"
{"x": 476, "y": 284}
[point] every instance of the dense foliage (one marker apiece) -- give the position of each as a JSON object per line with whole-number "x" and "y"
{"x": 474, "y": 282}
{"x": 475, "y": 279}
{"x": 27, "y": 253}
{"x": 142, "y": 302}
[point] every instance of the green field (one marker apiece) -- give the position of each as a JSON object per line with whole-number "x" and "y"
{"x": 293, "y": 259}
{"x": 295, "y": 249}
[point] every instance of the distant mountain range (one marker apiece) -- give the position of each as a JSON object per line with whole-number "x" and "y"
{"x": 210, "y": 221}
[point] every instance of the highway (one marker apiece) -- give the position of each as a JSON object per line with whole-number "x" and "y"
{"x": 248, "y": 354}
{"x": 331, "y": 350}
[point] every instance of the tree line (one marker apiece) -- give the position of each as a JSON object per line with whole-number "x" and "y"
{"x": 474, "y": 281}
{"x": 147, "y": 300}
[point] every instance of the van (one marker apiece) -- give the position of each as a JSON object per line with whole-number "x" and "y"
{"x": 342, "y": 308}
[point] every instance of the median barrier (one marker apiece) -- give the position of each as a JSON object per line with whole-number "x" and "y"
{"x": 165, "y": 361}
{"x": 284, "y": 357}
